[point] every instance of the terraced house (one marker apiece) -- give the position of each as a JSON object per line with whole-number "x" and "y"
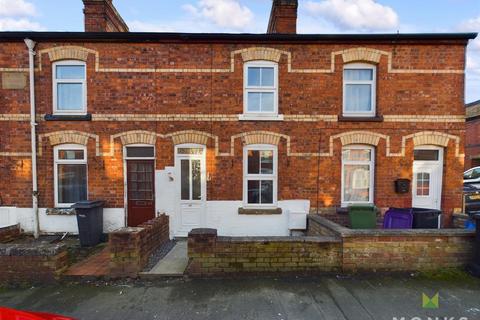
{"x": 244, "y": 133}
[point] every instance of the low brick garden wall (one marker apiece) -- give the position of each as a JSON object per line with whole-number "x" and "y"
{"x": 397, "y": 250}
{"x": 35, "y": 262}
{"x": 131, "y": 247}
{"x": 211, "y": 255}
{"x": 329, "y": 246}
{"x": 9, "y": 233}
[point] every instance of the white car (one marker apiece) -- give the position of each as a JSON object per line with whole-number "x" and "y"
{"x": 472, "y": 177}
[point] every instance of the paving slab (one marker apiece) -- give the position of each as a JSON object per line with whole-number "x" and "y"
{"x": 378, "y": 297}
{"x": 172, "y": 265}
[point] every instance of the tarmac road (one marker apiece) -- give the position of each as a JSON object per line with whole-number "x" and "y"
{"x": 328, "y": 297}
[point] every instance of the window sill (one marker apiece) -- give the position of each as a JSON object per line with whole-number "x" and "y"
{"x": 68, "y": 117}
{"x": 61, "y": 211}
{"x": 343, "y": 118}
{"x": 259, "y": 211}
{"x": 256, "y": 117}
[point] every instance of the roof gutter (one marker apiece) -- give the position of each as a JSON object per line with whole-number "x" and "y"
{"x": 31, "y": 55}
{"x": 137, "y": 37}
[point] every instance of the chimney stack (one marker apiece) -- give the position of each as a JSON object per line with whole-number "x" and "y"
{"x": 101, "y": 16}
{"x": 283, "y": 17}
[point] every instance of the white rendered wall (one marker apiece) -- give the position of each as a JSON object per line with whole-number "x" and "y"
{"x": 113, "y": 218}
{"x": 221, "y": 215}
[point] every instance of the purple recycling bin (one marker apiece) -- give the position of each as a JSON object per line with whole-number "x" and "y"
{"x": 398, "y": 218}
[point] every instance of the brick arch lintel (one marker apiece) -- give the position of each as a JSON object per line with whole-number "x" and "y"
{"x": 362, "y": 54}
{"x": 150, "y": 137}
{"x": 261, "y": 53}
{"x": 136, "y": 137}
{"x": 435, "y": 138}
{"x": 359, "y": 137}
{"x": 68, "y": 136}
{"x": 190, "y": 136}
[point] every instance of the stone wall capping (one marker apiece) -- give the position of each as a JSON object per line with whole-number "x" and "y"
{"x": 348, "y": 233}
{"x": 279, "y": 239}
{"x": 31, "y": 249}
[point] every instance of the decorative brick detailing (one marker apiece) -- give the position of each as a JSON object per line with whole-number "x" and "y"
{"x": 354, "y": 53}
{"x": 138, "y": 136}
{"x": 433, "y": 138}
{"x": 14, "y": 117}
{"x": 360, "y": 137}
{"x": 310, "y": 117}
{"x": 370, "y": 55}
{"x": 68, "y": 52}
{"x": 131, "y": 247}
{"x": 261, "y": 53}
{"x": 190, "y": 136}
{"x": 362, "y": 54}
{"x": 234, "y": 117}
{"x": 424, "y": 118}
{"x": 261, "y": 137}
{"x": 252, "y": 137}
{"x": 67, "y": 136}
{"x": 165, "y": 117}
{"x": 15, "y": 154}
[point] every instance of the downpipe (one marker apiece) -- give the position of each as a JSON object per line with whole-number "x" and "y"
{"x": 31, "y": 63}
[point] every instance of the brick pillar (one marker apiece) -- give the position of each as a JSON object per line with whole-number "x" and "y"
{"x": 283, "y": 17}
{"x": 101, "y": 16}
{"x": 201, "y": 245}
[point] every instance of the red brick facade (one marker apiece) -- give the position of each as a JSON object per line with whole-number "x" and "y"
{"x": 472, "y": 149}
{"x": 169, "y": 84}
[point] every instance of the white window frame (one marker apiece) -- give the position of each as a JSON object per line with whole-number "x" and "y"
{"x": 138, "y": 145}
{"x": 372, "y": 82}
{"x": 260, "y": 115}
{"x": 58, "y": 161}
{"x": 371, "y": 164}
{"x": 56, "y": 81}
{"x": 247, "y": 176}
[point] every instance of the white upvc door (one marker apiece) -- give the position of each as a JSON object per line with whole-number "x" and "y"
{"x": 191, "y": 188}
{"x": 427, "y": 177}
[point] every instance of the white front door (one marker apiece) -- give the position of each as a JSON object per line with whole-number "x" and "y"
{"x": 427, "y": 177}
{"x": 191, "y": 188}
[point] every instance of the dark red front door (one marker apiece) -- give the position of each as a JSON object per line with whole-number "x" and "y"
{"x": 140, "y": 191}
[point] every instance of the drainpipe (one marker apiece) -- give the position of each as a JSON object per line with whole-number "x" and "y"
{"x": 31, "y": 63}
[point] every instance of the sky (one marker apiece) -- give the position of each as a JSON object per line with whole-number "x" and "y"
{"x": 251, "y": 16}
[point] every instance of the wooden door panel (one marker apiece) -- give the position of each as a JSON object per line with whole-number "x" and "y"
{"x": 140, "y": 191}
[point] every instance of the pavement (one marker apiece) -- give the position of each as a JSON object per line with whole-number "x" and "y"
{"x": 329, "y": 297}
{"x": 172, "y": 265}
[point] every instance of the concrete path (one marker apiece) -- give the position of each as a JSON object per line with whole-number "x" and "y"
{"x": 326, "y": 298}
{"x": 172, "y": 265}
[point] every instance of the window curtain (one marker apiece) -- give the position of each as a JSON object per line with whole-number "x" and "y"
{"x": 72, "y": 183}
{"x": 358, "y": 97}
